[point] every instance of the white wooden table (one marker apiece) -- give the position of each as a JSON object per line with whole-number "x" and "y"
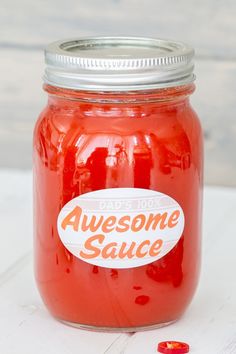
{"x": 209, "y": 325}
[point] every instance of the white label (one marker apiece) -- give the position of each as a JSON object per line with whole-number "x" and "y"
{"x": 121, "y": 227}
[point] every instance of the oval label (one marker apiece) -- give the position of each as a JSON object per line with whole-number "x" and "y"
{"x": 120, "y": 227}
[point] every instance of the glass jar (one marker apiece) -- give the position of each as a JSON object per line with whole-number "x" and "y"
{"x": 118, "y": 183}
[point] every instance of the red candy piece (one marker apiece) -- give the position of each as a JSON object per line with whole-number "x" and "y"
{"x": 172, "y": 347}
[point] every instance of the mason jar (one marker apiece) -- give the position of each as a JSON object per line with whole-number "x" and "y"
{"x": 117, "y": 183}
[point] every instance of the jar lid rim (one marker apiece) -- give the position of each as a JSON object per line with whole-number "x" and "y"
{"x": 118, "y": 63}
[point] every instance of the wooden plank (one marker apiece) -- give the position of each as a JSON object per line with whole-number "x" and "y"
{"x": 21, "y": 100}
{"x": 118, "y": 346}
{"x": 15, "y": 221}
{"x": 214, "y": 100}
{"x": 218, "y": 203}
{"x": 208, "y": 25}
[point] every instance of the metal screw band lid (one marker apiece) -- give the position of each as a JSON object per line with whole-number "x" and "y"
{"x": 118, "y": 63}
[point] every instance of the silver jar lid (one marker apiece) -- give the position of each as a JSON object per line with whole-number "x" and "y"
{"x": 118, "y": 63}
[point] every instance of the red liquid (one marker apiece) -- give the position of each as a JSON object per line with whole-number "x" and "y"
{"x": 143, "y": 140}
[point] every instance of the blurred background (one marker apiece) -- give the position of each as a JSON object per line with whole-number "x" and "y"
{"x": 208, "y": 25}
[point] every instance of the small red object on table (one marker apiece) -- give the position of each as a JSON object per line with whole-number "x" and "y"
{"x": 172, "y": 347}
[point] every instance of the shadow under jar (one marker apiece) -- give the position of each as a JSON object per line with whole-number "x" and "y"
{"x": 117, "y": 183}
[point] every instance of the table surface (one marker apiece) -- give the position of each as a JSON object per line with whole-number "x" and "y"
{"x": 209, "y": 324}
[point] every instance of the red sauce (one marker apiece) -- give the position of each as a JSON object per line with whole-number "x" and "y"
{"x": 84, "y": 142}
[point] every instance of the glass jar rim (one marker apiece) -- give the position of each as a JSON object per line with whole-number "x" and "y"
{"x": 118, "y": 64}
{"x": 161, "y": 95}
